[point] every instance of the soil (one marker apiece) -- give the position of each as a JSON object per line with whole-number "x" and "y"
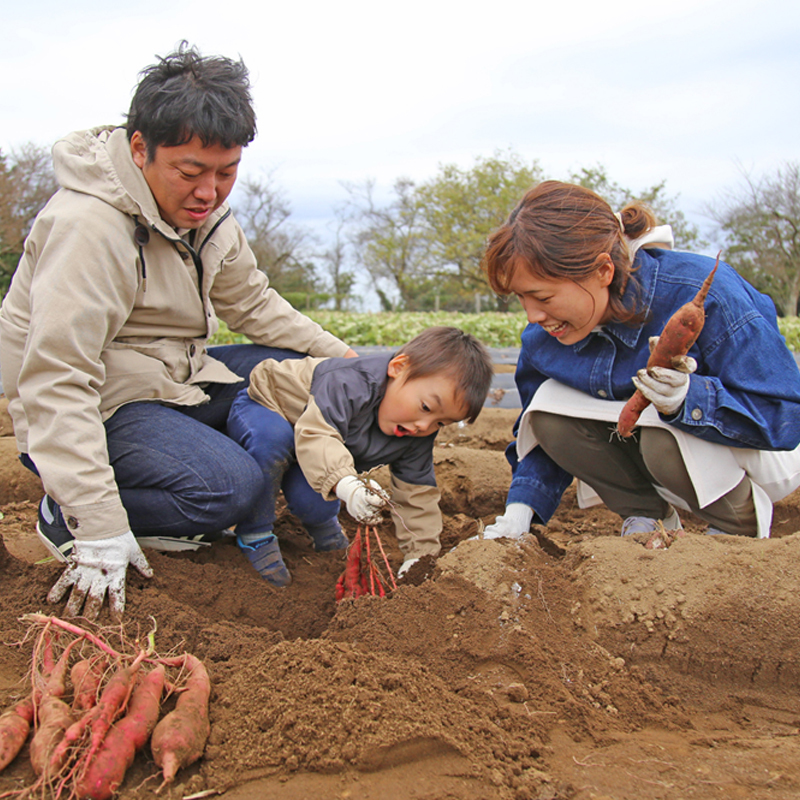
{"x": 573, "y": 664}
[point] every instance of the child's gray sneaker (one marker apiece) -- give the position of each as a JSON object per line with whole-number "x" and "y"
{"x": 265, "y": 556}
{"x": 328, "y": 536}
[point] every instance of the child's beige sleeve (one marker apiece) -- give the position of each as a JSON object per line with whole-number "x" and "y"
{"x": 417, "y": 518}
{"x": 321, "y": 451}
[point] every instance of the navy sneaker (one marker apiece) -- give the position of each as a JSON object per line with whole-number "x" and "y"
{"x": 328, "y": 536}
{"x": 265, "y": 556}
{"x": 53, "y": 531}
{"x": 56, "y": 537}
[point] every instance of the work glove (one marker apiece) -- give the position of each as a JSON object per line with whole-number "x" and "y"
{"x": 512, "y": 525}
{"x": 406, "y": 566}
{"x": 364, "y": 499}
{"x": 97, "y": 567}
{"x": 666, "y": 388}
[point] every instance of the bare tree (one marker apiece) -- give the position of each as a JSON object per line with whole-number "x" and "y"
{"x": 334, "y": 261}
{"x": 281, "y": 249}
{"x": 27, "y": 182}
{"x": 760, "y": 221}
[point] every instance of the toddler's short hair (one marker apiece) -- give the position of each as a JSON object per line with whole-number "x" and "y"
{"x": 459, "y": 355}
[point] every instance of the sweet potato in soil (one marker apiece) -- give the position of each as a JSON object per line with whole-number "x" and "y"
{"x": 578, "y": 665}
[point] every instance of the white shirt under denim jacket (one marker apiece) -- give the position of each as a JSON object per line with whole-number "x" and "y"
{"x": 743, "y": 403}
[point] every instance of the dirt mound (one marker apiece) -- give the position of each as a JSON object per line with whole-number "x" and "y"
{"x": 571, "y": 664}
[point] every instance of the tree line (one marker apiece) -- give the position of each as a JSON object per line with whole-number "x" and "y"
{"x": 420, "y": 246}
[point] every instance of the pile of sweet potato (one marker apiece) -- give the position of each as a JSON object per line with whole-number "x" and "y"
{"x": 92, "y": 708}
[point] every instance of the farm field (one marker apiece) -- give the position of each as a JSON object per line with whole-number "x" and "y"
{"x": 572, "y": 665}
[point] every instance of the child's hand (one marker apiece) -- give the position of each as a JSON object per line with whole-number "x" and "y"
{"x": 364, "y": 500}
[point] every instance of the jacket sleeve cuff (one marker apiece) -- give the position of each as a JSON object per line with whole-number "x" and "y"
{"x": 96, "y": 520}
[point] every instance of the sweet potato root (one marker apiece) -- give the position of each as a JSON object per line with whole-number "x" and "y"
{"x": 105, "y": 772}
{"x": 679, "y": 334}
{"x": 15, "y": 725}
{"x": 180, "y": 737}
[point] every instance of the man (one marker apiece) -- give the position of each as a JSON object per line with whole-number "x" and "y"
{"x": 116, "y": 401}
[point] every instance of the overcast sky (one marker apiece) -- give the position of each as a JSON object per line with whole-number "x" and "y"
{"x": 687, "y": 91}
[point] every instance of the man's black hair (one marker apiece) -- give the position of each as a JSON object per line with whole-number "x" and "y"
{"x": 186, "y": 95}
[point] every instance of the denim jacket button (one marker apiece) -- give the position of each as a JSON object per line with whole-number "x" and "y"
{"x": 602, "y": 393}
{"x": 697, "y": 414}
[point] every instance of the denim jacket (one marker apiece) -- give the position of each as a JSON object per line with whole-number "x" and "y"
{"x": 745, "y": 392}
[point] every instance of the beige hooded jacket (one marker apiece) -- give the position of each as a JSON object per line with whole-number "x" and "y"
{"x": 82, "y": 332}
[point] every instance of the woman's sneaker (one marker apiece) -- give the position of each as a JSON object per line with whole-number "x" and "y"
{"x": 631, "y": 525}
{"x": 265, "y": 556}
{"x": 328, "y": 536}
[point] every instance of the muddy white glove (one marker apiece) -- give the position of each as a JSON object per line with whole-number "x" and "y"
{"x": 95, "y": 568}
{"x": 406, "y": 566}
{"x": 666, "y": 388}
{"x": 512, "y": 525}
{"x": 364, "y": 500}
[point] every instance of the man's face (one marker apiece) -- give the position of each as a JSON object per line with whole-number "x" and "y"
{"x": 189, "y": 181}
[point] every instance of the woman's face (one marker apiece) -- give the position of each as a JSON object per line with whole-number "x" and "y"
{"x": 567, "y": 310}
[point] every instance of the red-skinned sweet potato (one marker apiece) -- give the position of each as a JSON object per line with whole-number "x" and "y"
{"x": 679, "y": 334}
{"x": 15, "y": 725}
{"x": 180, "y": 737}
{"x": 105, "y": 772}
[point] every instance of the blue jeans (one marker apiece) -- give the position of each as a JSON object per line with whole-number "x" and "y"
{"x": 178, "y": 472}
{"x": 269, "y": 439}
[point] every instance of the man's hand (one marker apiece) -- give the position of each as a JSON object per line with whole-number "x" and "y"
{"x": 95, "y": 568}
{"x": 364, "y": 500}
{"x": 666, "y": 388}
{"x": 512, "y": 525}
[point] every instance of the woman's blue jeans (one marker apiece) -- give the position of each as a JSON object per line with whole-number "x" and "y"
{"x": 269, "y": 439}
{"x": 178, "y": 472}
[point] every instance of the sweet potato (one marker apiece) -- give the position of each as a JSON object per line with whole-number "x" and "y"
{"x": 53, "y": 715}
{"x": 86, "y": 675}
{"x": 105, "y": 771}
{"x": 180, "y": 737}
{"x": 15, "y": 724}
{"x": 679, "y": 334}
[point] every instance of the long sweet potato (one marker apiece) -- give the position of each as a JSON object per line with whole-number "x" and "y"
{"x": 53, "y": 715}
{"x": 105, "y": 772}
{"x": 180, "y": 737}
{"x": 679, "y": 334}
{"x": 15, "y": 725}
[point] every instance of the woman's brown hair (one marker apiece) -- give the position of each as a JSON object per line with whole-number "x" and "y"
{"x": 559, "y": 230}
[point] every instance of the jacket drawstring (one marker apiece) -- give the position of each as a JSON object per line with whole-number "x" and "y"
{"x": 141, "y": 236}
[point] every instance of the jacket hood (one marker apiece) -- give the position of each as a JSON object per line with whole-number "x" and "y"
{"x": 98, "y": 162}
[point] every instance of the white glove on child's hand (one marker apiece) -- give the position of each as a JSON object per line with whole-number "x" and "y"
{"x": 666, "y": 388}
{"x": 364, "y": 500}
{"x": 97, "y": 567}
{"x": 512, "y": 525}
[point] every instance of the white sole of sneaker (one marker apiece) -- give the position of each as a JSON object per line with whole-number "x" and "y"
{"x": 168, "y": 545}
{"x": 51, "y": 548}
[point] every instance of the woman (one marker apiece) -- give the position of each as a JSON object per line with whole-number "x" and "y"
{"x": 721, "y": 437}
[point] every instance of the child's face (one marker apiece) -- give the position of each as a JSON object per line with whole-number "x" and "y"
{"x": 566, "y": 309}
{"x": 418, "y": 407}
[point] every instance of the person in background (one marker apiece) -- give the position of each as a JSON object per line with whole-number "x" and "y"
{"x": 117, "y": 402}
{"x": 313, "y": 425}
{"x": 721, "y": 437}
